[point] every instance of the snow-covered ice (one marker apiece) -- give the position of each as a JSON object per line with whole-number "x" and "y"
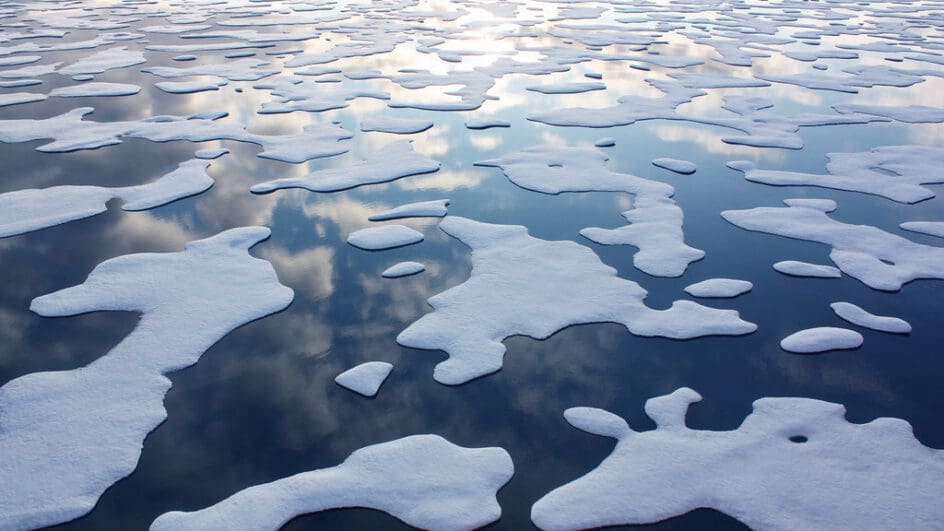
{"x": 856, "y": 315}
{"x": 677, "y": 165}
{"x": 719, "y": 288}
{"x": 384, "y": 237}
{"x": 805, "y": 269}
{"x": 821, "y": 339}
{"x": 424, "y": 209}
{"x": 403, "y": 269}
{"x": 96, "y": 89}
{"x": 401, "y": 126}
{"x": 366, "y": 378}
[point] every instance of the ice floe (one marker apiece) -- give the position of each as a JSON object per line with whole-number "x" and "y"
{"x": 424, "y": 209}
{"x": 67, "y": 436}
{"x": 677, "y": 165}
{"x": 931, "y": 228}
{"x": 424, "y": 480}
{"x": 391, "y": 162}
{"x": 821, "y": 339}
{"x": 524, "y": 285}
{"x": 389, "y": 124}
{"x": 804, "y": 269}
{"x": 384, "y": 237}
{"x": 856, "y": 315}
{"x": 28, "y": 210}
{"x": 16, "y": 98}
{"x": 486, "y": 123}
{"x": 568, "y": 88}
{"x": 403, "y": 269}
{"x": 655, "y": 220}
{"x": 104, "y": 60}
{"x": 189, "y": 87}
{"x": 366, "y": 378}
{"x": 719, "y": 288}
{"x": 96, "y": 89}
{"x": 879, "y": 259}
{"x": 793, "y": 463}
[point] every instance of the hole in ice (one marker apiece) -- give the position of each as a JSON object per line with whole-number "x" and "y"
{"x": 799, "y": 439}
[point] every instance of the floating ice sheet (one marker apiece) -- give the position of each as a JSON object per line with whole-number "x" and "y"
{"x": 524, "y": 285}
{"x": 424, "y": 480}
{"x": 424, "y": 209}
{"x": 677, "y": 165}
{"x": 67, "y": 436}
{"x": 932, "y": 228}
{"x": 821, "y": 339}
{"x": 403, "y": 269}
{"x": 794, "y": 463}
{"x": 101, "y": 61}
{"x": 16, "y": 98}
{"x": 719, "y": 288}
{"x": 96, "y": 89}
{"x": 389, "y": 124}
{"x": 856, "y": 315}
{"x": 366, "y": 378}
{"x": 385, "y": 237}
{"x": 804, "y": 269}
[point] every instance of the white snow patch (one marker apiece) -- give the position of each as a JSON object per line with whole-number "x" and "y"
{"x": 403, "y": 269}
{"x": 856, "y": 315}
{"x": 366, "y": 378}
{"x": 931, "y": 228}
{"x": 385, "y": 237}
{"x": 821, "y": 339}
{"x": 677, "y": 165}
{"x": 390, "y": 124}
{"x": 719, "y": 288}
{"x": 805, "y": 269}
{"x": 424, "y": 209}
{"x": 96, "y": 89}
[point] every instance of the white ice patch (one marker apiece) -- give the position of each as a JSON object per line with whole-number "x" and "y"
{"x": 794, "y": 463}
{"x": 391, "y": 162}
{"x": 424, "y": 480}
{"x": 606, "y": 141}
{"x": 655, "y": 220}
{"x": 931, "y": 228}
{"x": 912, "y": 114}
{"x": 366, "y": 378}
{"x": 826, "y": 205}
{"x": 521, "y": 285}
{"x": 719, "y": 288}
{"x": 385, "y": 237}
{"x": 805, "y": 269}
{"x": 856, "y": 315}
{"x": 879, "y": 259}
{"x": 28, "y": 210}
{"x": 403, "y": 269}
{"x": 568, "y": 88}
{"x": 821, "y": 339}
{"x": 424, "y": 209}
{"x": 96, "y": 89}
{"x": 238, "y": 70}
{"x": 683, "y": 167}
{"x": 390, "y": 124}
{"x": 67, "y": 436}
{"x": 189, "y": 87}
{"x": 101, "y": 61}
{"x": 16, "y": 98}
{"x": 895, "y": 172}
{"x": 486, "y": 123}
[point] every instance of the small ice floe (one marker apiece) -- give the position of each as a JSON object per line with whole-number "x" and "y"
{"x": 793, "y": 463}
{"x": 805, "y": 269}
{"x": 821, "y": 339}
{"x": 424, "y": 209}
{"x": 16, "y": 98}
{"x": 857, "y": 316}
{"x": 683, "y": 167}
{"x": 189, "y": 87}
{"x": 424, "y": 480}
{"x": 568, "y": 88}
{"x": 912, "y": 114}
{"x": 390, "y": 124}
{"x": 931, "y": 228}
{"x": 101, "y": 61}
{"x": 385, "y": 237}
{"x": 719, "y": 288}
{"x": 366, "y": 378}
{"x": 486, "y": 123}
{"x": 606, "y": 141}
{"x": 96, "y": 89}
{"x": 403, "y": 269}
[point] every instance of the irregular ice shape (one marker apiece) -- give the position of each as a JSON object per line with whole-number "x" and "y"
{"x": 403, "y": 269}
{"x": 393, "y": 161}
{"x": 28, "y": 210}
{"x": 485, "y": 123}
{"x": 385, "y": 237}
{"x": 677, "y": 165}
{"x": 366, "y": 378}
{"x": 189, "y": 87}
{"x": 22, "y": 83}
{"x": 96, "y": 89}
{"x": 856, "y": 315}
{"x": 794, "y": 463}
{"x": 822, "y": 339}
{"x": 524, "y": 285}
{"x": 390, "y": 124}
{"x": 296, "y": 94}
{"x": 804, "y": 269}
{"x": 29, "y": 71}
{"x": 912, "y": 114}
{"x": 826, "y": 205}
{"x": 425, "y": 209}
{"x": 879, "y": 259}
{"x": 568, "y": 88}
{"x": 16, "y": 98}
{"x": 67, "y": 436}
{"x": 862, "y": 76}
{"x": 239, "y": 70}
{"x": 655, "y": 220}
{"x": 101, "y": 61}
{"x": 719, "y": 288}
{"x": 894, "y": 172}
{"x": 424, "y": 480}
{"x": 932, "y": 228}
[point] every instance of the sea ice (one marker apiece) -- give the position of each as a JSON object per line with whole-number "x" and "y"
{"x": 485, "y": 123}
{"x": 389, "y": 124}
{"x": 16, "y": 98}
{"x": 366, "y": 378}
{"x": 719, "y": 288}
{"x": 655, "y": 220}
{"x": 28, "y": 210}
{"x": 101, "y": 61}
{"x": 238, "y": 70}
{"x": 857, "y": 316}
{"x": 879, "y": 259}
{"x": 678, "y": 166}
{"x": 403, "y": 269}
{"x": 912, "y": 114}
{"x": 384, "y": 237}
{"x": 424, "y": 209}
{"x": 821, "y": 339}
{"x": 189, "y": 87}
{"x": 424, "y": 480}
{"x": 932, "y": 228}
{"x": 568, "y": 88}
{"x": 96, "y": 89}
{"x": 393, "y": 161}
{"x": 521, "y": 285}
{"x": 67, "y": 436}
{"x": 804, "y": 269}
{"x": 606, "y": 141}
{"x": 794, "y": 463}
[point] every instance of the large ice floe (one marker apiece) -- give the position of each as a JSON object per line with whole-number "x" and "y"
{"x": 525, "y": 285}
{"x": 67, "y": 436}
{"x": 28, "y": 210}
{"x": 794, "y": 463}
{"x": 879, "y": 259}
{"x": 424, "y": 480}
{"x": 655, "y": 220}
